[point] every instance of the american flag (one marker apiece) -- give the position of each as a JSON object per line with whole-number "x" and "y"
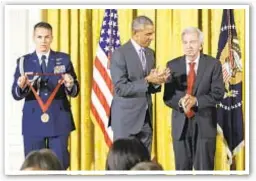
{"x": 102, "y": 88}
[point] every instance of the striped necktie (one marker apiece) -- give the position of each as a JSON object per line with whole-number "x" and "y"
{"x": 143, "y": 59}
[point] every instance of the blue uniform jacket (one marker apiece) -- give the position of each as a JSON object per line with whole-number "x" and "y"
{"x": 61, "y": 119}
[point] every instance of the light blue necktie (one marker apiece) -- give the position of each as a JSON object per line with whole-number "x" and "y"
{"x": 143, "y": 59}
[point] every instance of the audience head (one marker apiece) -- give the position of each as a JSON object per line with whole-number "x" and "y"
{"x": 126, "y": 153}
{"x": 43, "y": 159}
{"x": 147, "y": 166}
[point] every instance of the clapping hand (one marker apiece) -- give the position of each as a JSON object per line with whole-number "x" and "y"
{"x": 187, "y": 102}
{"x": 157, "y": 76}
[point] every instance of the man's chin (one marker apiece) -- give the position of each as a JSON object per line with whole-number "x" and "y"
{"x": 44, "y": 50}
{"x": 147, "y": 45}
{"x": 190, "y": 54}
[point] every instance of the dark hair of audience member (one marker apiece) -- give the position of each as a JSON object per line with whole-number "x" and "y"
{"x": 125, "y": 153}
{"x": 147, "y": 166}
{"x": 43, "y": 159}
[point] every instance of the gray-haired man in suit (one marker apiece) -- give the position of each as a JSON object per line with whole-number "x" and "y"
{"x": 195, "y": 87}
{"x": 135, "y": 78}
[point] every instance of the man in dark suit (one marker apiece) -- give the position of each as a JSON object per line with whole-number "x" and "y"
{"x": 194, "y": 89}
{"x": 44, "y": 78}
{"x": 135, "y": 78}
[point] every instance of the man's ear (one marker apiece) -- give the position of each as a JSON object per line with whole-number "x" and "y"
{"x": 201, "y": 47}
{"x": 134, "y": 32}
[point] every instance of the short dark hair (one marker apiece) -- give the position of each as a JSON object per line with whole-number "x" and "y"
{"x": 43, "y": 159}
{"x": 140, "y": 21}
{"x": 125, "y": 153}
{"x": 43, "y": 24}
{"x": 147, "y": 166}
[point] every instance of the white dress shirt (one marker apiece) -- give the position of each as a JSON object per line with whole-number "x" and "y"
{"x": 39, "y": 55}
{"x": 136, "y": 46}
{"x": 196, "y": 61}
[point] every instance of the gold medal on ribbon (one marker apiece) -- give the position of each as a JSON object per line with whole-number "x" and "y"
{"x": 44, "y": 106}
{"x": 45, "y": 117}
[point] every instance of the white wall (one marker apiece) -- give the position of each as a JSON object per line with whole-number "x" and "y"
{"x": 18, "y": 41}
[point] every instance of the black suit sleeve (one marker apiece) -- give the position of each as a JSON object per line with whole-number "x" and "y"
{"x": 171, "y": 94}
{"x": 217, "y": 89}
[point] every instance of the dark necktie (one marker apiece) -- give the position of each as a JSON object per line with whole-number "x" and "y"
{"x": 43, "y": 63}
{"x": 190, "y": 82}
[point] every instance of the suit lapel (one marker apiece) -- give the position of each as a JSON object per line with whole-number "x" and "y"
{"x": 183, "y": 65}
{"x": 134, "y": 56}
{"x": 183, "y": 71}
{"x": 200, "y": 73}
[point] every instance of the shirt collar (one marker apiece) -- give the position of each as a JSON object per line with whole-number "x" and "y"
{"x": 39, "y": 55}
{"x": 136, "y": 45}
{"x": 196, "y": 60}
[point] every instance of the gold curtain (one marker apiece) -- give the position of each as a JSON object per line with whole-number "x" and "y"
{"x": 77, "y": 32}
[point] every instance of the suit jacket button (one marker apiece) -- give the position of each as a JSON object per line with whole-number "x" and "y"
{"x": 45, "y": 94}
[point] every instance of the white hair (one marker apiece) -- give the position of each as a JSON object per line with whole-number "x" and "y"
{"x": 193, "y": 30}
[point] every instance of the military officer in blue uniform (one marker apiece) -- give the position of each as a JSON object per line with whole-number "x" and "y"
{"x": 49, "y": 127}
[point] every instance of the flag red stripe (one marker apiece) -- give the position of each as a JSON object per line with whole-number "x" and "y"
{"x": 225, "y": 73}
{"x": 101, "y": 97}
{"x": 101, "y": 124}
{"x": 104, "y": 74}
